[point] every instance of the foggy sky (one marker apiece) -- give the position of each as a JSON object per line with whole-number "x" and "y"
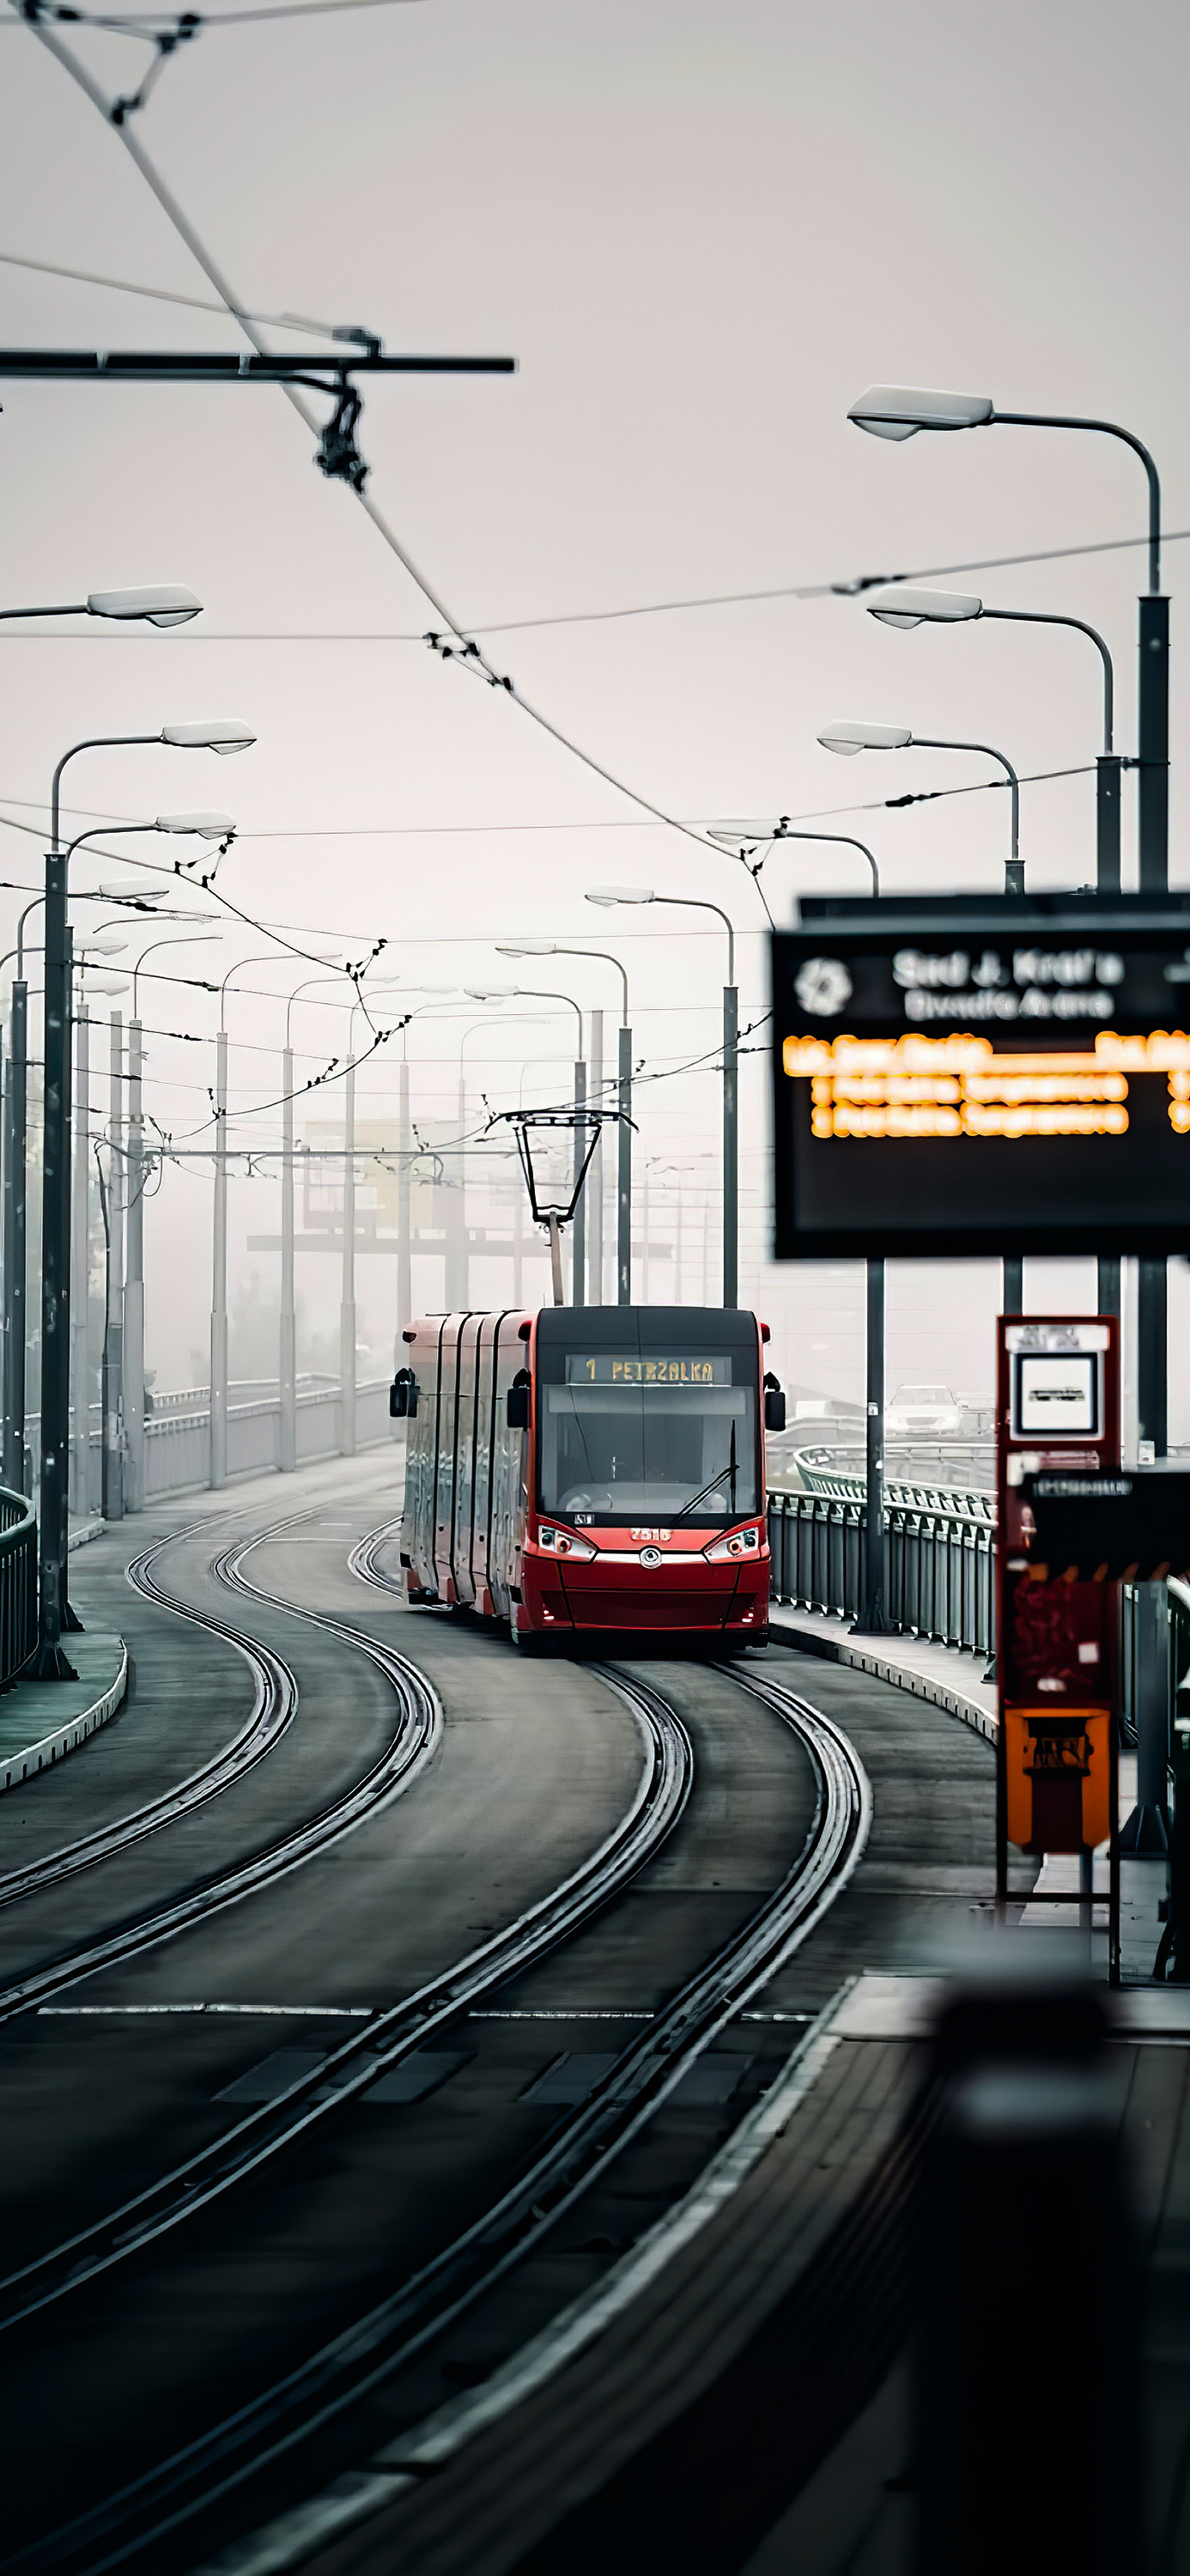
{"x": 702, "y": 230}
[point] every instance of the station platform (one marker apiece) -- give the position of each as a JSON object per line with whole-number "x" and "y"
{"x": 41, "y": 1722}
{"x": 946, "y": 1675}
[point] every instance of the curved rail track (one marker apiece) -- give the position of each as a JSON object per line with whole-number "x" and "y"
{"x": 418, "y": 1732}
{"x": 347, "y": 2369}
{"x": 381, "y": 2043}
{"x": 273, "y": 1706}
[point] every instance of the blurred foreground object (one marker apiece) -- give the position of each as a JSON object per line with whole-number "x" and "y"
{"x": 1027, "y": 2353}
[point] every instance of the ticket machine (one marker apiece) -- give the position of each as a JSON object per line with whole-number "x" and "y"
{"x": 1058, "y": 1409}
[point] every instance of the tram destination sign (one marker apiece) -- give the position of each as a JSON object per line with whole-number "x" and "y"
{"x": 983, "y": 1076}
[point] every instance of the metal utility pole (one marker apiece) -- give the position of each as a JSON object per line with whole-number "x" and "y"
{"x": 578, "y": 1249}
{"x": 873, "y": 1620}
{"x": 347, "y": 1306}
{"x": 404, "y": 1205}
{"x": 623, "y": 895}
{"x": 624, "y": 1160}
{"x": 595, "y": 1174}
{"x": 53, "y": 1663}
{"x": 218, "y": 1423}
{"x": 288, "y": 1347}
{"x": 134, "y": 1285}
{"x": 82, "y": 1263}
{"x": 14, "y": 1266}
{"x": 731, "y": 1145}
{"x": 113, "y": 1503}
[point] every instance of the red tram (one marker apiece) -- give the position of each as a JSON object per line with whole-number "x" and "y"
{"x": 590, "y": 1468}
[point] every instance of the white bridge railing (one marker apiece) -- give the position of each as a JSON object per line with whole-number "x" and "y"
{"x": 178, "y": 1433}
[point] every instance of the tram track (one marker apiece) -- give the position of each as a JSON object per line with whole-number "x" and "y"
{"x": 388, "y": 2036}
{"x": 148, "y": 2513}
{"x": 274, "y": 1705}
{"x": 417, "y": 1735}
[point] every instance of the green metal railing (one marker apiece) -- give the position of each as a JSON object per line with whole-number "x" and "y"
{"x": 18, "y": 1585}
{"x": 940, "y": 1560}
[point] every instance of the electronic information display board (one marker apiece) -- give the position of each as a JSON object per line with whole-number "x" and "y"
{"x": 983, "y": 1076}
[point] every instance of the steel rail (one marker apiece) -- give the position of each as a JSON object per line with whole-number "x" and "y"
{"x": 349, "y": 2368}
{"x": 657, "y": 1802}
{"x": 416, "y": 1737}
{"x": 274, "y": 1705}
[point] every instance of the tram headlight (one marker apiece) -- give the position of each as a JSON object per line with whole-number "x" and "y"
{"x": 741, "y": 1542}
{"x": 563, "y": 1542}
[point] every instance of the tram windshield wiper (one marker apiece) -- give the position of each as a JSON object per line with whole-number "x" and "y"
{"x": 731, "y": 1471}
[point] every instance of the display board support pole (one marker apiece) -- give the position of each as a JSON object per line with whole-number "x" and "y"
{"x": 1012, "y": 1285}
{"x": 873, "y": 1620}
{"x": 1108, "y": 768}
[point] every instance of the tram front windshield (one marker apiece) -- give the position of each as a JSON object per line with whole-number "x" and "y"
{"x": 649, "y": 1436}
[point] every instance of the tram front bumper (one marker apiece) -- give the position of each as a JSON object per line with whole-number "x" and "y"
{"x": 679, "y": 1595}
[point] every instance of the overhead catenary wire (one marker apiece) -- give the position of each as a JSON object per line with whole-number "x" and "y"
{"x": 462, "y": 647}
{"x": 848, "y": 588}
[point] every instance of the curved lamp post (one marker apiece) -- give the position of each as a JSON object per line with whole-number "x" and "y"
{"x": 734, "y": 836}
{"x": 909, "y": 607}
{"x": 52, "y": 1664}
{"x": 899, "y": 411}
{"x": 847, "y": 738}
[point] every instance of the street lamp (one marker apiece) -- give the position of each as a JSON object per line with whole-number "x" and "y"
{"x": 899, "y": 411}
{"x": 558, "y": 948}
{"x": 908, "y": 607}
{"x": 167, "y": 605}
{"x": 847, "y": 738}
{"x": 731, "y": 1068}
{"x": 732, "y": 836}
{"x": 224, "y": 735}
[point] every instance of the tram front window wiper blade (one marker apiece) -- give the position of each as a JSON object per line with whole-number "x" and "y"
{"x": 730, "y": 1471}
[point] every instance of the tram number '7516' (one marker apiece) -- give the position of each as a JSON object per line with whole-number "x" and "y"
{"x": 650, "y": 1533}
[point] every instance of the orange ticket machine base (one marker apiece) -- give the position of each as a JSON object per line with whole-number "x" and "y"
{"x": 1057, "y": 1413}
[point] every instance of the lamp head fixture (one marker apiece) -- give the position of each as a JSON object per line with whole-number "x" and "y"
{"x": 847, "y": 738}
{"x": 899, "y": 411}
{"x": 489, "y": 992}
{"x": 730, "y": 835}
{"x": 527, "y": 948}
{"x": 608, "y": 895}
{"x": 900, "y": 605}
{"x": 209, "y": 827}
{"x": 167, "y": 605}
{"x": 106, "y": 943}
{"x": 226, "y": 736}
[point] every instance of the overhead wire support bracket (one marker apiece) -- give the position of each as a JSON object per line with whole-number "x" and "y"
{"x": 337, "y": 454}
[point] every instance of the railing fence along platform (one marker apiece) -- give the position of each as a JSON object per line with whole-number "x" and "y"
{"x": 941, "y": 1568}
{"x": 941, "y": 1553}
{"x": 18, "y": 1585}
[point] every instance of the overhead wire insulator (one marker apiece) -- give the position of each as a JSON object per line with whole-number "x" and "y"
{"x": 337, "y": 454}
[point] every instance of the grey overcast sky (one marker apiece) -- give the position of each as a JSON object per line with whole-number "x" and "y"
{"x": 701, "y": 229}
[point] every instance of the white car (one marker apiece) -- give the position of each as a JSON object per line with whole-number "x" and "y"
{"x": 923, "y": 1413}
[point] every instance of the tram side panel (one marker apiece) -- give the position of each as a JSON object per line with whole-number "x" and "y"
{"x": 466, "y": 1488}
